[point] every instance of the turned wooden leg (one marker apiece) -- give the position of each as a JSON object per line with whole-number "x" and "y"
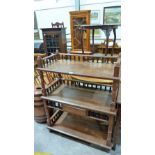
{"x": 44, "y": 94}
{"x": 107, "y": 42}
{"x": 114, "y": 95}
{"x": 116, "y": 137}
{"x": 114, "y": 41}
{"x": 110, "y": 129}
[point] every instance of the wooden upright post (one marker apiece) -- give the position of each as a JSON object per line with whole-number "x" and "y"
{"x": 39, "y": 62}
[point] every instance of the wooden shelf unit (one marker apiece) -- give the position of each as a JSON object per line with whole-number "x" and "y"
{"x": 83, "y": 109}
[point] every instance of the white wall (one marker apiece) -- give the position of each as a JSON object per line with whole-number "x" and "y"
{"x": 45, "y": 17}
{"x": 48, "y": 11}
{"x": 45, "y": 4}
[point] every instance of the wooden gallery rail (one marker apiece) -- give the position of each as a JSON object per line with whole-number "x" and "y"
{"x": 82, "y": 107}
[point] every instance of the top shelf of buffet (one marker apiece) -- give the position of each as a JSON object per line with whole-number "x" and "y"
{"x": 101, "y": 67}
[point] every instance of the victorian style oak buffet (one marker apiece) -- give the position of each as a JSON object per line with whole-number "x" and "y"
{"x": 81, "y": 109}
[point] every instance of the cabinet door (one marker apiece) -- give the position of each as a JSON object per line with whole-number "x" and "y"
{"x": 52, "y": 41}
{"x": 76, "y": 35}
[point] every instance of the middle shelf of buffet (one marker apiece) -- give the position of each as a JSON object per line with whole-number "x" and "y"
{"x": 79, "y": 95}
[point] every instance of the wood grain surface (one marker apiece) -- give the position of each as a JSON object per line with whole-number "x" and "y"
{"x": 82, "y": 128}
{"x": 87, "y": 69}
{"x": 83, "y": 98}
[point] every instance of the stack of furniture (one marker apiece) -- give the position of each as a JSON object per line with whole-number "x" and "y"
{"x": 85, "y": 110}
{"x": 78, "y": 18}
{"x": 54, "y": 38}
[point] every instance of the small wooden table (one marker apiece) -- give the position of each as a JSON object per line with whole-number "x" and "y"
{"x": 105, "y": 28}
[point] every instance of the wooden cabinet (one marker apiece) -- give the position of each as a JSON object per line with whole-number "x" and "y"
{"x": 85, "y": 110}
{"x": 79, "y": 18}
{"x": 54, "y": 40}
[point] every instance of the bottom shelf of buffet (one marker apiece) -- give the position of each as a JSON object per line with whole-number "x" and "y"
{"x": 82, "y": 128}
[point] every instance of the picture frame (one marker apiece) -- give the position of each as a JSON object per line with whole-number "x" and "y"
{"x": 95, "y": 16}
{"x": 112, "y": 15}
{"x": 95, "y": 19}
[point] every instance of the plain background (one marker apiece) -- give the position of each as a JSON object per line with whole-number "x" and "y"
{"x": 16, "y": 77}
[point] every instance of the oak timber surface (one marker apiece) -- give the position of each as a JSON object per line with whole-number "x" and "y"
{"x": 82, "y": 128}
{"x": 87, "y": 69}
{"x": 83, "y": 98}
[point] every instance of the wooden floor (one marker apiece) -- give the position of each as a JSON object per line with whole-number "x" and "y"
{"x": 82, "y": 128}
{"x": 95, "y": 100}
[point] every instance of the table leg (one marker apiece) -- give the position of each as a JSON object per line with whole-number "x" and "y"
{"x": 93, "y": 40}
{"x": 107, "y": 41}
{"x": 114, "y": 41}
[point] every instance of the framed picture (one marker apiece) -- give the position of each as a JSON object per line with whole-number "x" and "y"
{"x": 112, "y": 15}
{"x": 95, "y": 16}
{"x": 95, "y": 19}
